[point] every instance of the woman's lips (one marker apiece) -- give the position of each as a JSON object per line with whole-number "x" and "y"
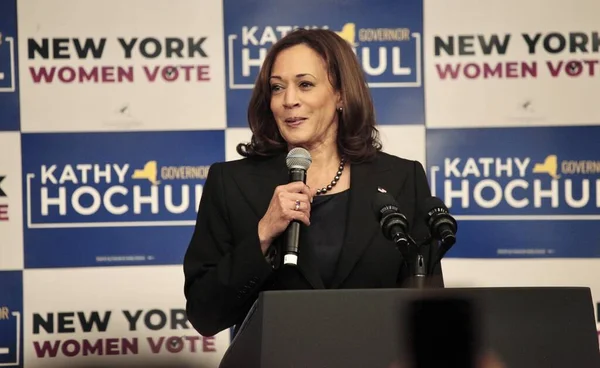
{"x": 295, "y": 121}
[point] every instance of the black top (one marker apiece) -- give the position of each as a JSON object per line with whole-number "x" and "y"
{"x": 325, "y": 235}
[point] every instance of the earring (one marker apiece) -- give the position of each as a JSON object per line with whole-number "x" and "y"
{"x": 339, "y": 109}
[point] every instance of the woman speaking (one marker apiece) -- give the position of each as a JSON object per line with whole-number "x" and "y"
{"x": 310, "y": 93}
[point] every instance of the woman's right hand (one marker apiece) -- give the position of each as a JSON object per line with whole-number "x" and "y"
{"x": 282, "y": 210}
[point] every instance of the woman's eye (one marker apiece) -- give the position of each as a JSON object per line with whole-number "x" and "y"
{"x": 306, "y": 84}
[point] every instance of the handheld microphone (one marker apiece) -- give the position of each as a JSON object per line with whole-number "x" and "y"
{"x": 441, "y": 224}
{"x": 393, "y": 223}
{"x": 298, "y": 161}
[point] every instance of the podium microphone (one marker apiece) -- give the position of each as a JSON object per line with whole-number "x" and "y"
{"x": 298, "y": 161}
{"x": 441, "y": 224}
{"x": 394, "y": 224}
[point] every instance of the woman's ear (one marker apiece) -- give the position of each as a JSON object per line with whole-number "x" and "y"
{"x": 339, "y": 103}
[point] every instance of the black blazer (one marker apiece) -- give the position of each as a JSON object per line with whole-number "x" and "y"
{"x": 225, "y": 269}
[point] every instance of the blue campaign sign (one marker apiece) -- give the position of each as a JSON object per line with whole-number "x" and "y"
{"x": 519, "y": 192}
{"x": 386, "y": 36}
{"x": 11, "y": 319}
{"x": 98, "y": 199}
{"x": 9, "y": 79}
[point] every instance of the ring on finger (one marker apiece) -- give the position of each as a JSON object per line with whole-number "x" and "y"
{"x": 297, "y": 206}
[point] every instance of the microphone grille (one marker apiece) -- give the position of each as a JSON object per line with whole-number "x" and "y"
{"x": 433, "y": 206}
{"x": 433, "y": 202}
{"x": 298, "y": 158}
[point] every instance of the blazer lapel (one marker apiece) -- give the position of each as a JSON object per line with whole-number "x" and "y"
{"x": 361, "y": 223}
{"x": 257, "y": 182}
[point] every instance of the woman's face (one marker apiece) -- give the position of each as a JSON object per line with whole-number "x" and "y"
{"x": 303, "y": 100}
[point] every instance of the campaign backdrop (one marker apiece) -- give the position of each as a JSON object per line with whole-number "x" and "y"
{"x": 545, "y": 188}
{"x": 111, "y": 113}
{"x": 386, "y": 36}
{"x": 91, "y": 197}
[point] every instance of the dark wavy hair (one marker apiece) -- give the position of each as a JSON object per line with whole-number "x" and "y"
{"x": 357, "y": 138}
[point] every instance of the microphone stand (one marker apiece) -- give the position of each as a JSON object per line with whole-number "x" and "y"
{"x": 420, "y": 277}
